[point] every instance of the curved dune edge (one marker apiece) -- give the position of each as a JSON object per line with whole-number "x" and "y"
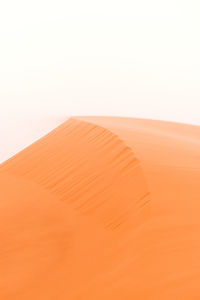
{"x": 78, "y": 221}
{"x": 88, "y": 167}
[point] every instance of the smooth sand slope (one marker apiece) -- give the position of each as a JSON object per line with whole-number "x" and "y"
{"x": 103, "y": 208}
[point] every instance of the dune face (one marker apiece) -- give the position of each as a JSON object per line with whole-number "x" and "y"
{"x": 103, "y": 208}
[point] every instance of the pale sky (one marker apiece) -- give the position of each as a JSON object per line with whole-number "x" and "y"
{"x": 60, "y": 58}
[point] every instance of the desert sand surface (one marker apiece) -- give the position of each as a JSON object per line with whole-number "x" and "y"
{"x": 103, "y": 208}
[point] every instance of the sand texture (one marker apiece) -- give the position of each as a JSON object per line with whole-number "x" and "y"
{"x": 103, "y": 208}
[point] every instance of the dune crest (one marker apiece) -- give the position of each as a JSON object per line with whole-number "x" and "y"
{"x": 90, "y": 168}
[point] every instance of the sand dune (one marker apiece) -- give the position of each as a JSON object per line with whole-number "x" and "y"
{"x": 103, "y": 208}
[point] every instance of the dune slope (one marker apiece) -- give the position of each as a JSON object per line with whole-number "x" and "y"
{"x": 103, "y": 208}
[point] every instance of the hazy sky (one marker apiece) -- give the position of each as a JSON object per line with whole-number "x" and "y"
{"x": 129, "y": 58}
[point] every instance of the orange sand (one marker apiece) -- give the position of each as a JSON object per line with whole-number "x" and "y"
{"x": 103, "y": 208}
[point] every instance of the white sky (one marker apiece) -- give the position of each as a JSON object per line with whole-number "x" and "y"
{"x": 129, "y": 58}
